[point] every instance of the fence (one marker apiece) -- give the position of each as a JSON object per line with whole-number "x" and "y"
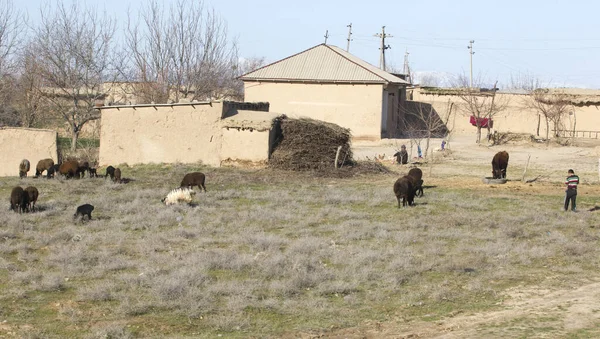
{"x": 563, "y": 133}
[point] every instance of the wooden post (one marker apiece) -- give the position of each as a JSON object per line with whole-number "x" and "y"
{"x": 431, "y": 163}
{"x": 526, "y": 166}
{"x": 337, "y": 156}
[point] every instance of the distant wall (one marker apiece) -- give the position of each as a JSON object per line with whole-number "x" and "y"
{"x": 354, "y": 106}
{"x": 17, "y": 144}
{"x": 184, "y": 133}
{"x": 516, "y": 118}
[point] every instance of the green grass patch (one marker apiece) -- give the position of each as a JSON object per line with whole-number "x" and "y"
{"x": 65, "y": 143}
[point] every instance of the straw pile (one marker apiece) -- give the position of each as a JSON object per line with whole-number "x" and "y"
{"x": 306, "y": 144}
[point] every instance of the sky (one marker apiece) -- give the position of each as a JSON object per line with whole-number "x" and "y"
{"x": 556, "y": 42}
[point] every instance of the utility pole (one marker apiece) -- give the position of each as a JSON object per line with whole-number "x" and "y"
{"x": 406, "y": 69}
{"x": 349, "y": 35}
{"x": 383, "y": 47}
{"x": 326, "y": 36}
{"x": 470, "y": 47}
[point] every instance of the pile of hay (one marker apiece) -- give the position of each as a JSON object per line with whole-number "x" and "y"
{"x": 306, "y": 144}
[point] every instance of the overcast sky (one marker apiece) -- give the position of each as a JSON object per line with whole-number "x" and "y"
{"x": 556, "y": 41}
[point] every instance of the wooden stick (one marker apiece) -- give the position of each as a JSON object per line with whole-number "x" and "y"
{"x": 526, "y": 166}
{"x": 337, "y": 156}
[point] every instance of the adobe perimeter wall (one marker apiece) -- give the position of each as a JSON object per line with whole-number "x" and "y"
{"x": 245, "y": 145}
{"x": 32, "y": 144}
{"x": 354, "y": 106}
{"x": 185, "y": 133}
{"x": 516, "y": 118}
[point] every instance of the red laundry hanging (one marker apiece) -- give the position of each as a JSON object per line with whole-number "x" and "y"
{"x": 483, "y": 122}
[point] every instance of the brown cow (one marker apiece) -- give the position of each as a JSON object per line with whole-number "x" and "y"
{"x": 499, "y": 165}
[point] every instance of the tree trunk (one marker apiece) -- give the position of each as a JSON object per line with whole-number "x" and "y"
{"x": 74, "y": 137}
{"x": 547, "y": 131}
{"x": 478, "y": 134}
{"x": 427, "y": 143}
{"x": 538, "y": 126}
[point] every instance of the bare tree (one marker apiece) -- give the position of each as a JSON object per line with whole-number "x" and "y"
{"x": 74, "y": 52}
{"x": 185, "y": 51}
{"x": 11, "y": 34}
{"x": 554, "y": 106}
{"x": 524, "y": 82}
{"x": 246, "y": 65}
{"x": 480, "y": 105}
{"x": 27, "y": 99}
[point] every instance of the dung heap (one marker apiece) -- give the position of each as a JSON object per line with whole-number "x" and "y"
{"x": 307, "y": 144}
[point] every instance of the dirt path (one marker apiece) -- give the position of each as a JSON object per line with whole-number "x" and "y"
{"x": 540, "y": 313}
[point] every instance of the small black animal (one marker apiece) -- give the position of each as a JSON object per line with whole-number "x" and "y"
{"x": 110, "y": 172}
{"x": 84, "y": 210}
{"x": 92, "y": 172}
{"x": 52, "y": 171}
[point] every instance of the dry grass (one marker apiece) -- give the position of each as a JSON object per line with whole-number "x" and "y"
{"x": 269, "y": 253}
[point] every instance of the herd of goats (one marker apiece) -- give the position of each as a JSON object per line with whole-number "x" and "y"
{"x": 23, "y": 199}
{"x": 411, "y": 185}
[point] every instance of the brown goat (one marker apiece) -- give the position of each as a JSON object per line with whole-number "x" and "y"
{"x": 43, "y": 165}
{"x": 194, "y": 179}
{"x": 499, "y": 165}
{"x": 33, "y": 194}
{"x": 117, "y": 177}
{"x": 417, "y": 175}
{"x": 69, "y": 169}
{"x": 18, "y": 199}
{"x": 404, "y": 191}
{"x": 23, "y": 168}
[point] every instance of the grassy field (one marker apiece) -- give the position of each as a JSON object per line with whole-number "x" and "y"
{"x": 279, "y": 254}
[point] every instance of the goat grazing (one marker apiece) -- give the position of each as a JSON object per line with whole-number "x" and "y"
{"x": 69, "y": 169}
{"x": 44, "y": 165}
{"x": 32, "y": 194}
{"x": 83, "y": 210}
{"x": 16, "y": 199}
{"x": 417, "y": 175}
{"x": 194, "y": 179}
{"x": 83, "y": 167}
{"x": 110, "y": 172}
{"x": 23, "y": 168}
{"x": 179, "y": 195}
{"x": 117, "y": 177}
{"x": 404, "y": 191}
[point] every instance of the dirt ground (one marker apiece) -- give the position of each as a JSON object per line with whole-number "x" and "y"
{"x": 570, "y": 309}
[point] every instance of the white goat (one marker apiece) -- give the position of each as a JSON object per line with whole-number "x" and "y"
{"x": 179, "y": 195}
